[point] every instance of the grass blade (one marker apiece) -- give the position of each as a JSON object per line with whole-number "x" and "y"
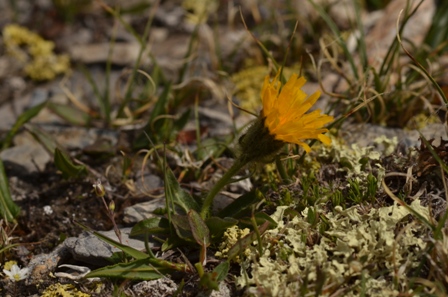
{"x": 21, "y": 120}
{"x": 8, "y": 209}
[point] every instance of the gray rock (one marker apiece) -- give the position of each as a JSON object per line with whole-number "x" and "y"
{"x": 78, "y": 137}
{"x": 42, "y": 265}
{"x": 147, "y": 184}
{"x": 90, "y": 249}
{"x": 32, "y": 157}
{"x": 141, "y": 211}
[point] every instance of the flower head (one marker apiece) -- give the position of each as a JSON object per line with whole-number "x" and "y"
{"x": 16, "y": 273}
{"x": 284, "y": 111}
{"x": 284, "y": 120}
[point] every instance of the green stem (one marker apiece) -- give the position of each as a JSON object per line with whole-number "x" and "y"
{"x": 239, "y": 163}
{"x": 257, "y": 232}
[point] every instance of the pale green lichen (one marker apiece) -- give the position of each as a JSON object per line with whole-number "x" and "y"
{"x": 63, "y": 290}
{"x": 363, "y": 248}
{"x": 359, "y": 164}
{"x": 353, "y": 160}
{"x": 388, "y": 144}
{"x": 34, "y": 53}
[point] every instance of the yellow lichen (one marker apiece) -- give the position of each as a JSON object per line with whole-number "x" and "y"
{"x": 8, "y": 265}
{"x": 198, "y": 11}
{"x": 60, "y": 290}
{"x": 34, "y": 53}
{"x": 421, "y": 120}
{"x": 230, "y": 238}
{"x": 248, "y": 83}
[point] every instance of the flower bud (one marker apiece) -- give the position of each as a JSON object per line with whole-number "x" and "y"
{"x": 99, "y": 189}
{"x": 112, "y": 206}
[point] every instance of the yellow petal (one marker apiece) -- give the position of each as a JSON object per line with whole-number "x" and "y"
{"x": 285, "y": 112}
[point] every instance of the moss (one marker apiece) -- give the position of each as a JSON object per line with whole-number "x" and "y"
{"x": 34, "y": 53}
{"x": 60, "y": 290}
{"x": 362, "y": 253}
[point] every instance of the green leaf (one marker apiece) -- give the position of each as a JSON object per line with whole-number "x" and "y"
{"x": 126, "y": 249}
{"x": 138, "y": 270}
{"x": 218, "y": 226}
{"x": 221, "y": 271}
{"x": 182, "y": 227}
{"x": 151, "y": 226}
{"x": 70, "y": 114}
{"x": 240, "y": 205}
{"x": 199, "y": 229}
{"x": 68, "y": 168}
{"x": 43, "y": 137}
{"x": 175, "y": 195}
{"x": 8, "y": 209}
{"x": 200, "y": 233}
{"x": 260, "y": 218}
{"x": 172, "y": 242}
{"x": 180, "y": 123}
{"x": 156, "y": 121}
{"x": 212, "y": 147}
{"x": 21, "y": 120}
{"x": 209, "y": 282}
{"x": 438, "y": 32}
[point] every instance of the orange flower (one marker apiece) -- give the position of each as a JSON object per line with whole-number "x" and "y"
{"x": 284, "y": 112}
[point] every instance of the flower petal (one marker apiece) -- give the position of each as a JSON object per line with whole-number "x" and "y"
{"x": 285, "y": 112}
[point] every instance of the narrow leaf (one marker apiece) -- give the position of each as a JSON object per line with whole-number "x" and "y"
{"x": 220, "y": 272}
{"x": 43, "y": 137}
{"x": 21, "y": 120}
{"x": 8, "y": 209}
{"x": 260, "y": 218}
{"x": 156, "y": 120}
{"x": 240, "y": 205}
{"x": 126, "y": 249}
{"x": 140, "y": 269}
{"x": 70, "y": 114}
{"x": 68, "y": 168}
{"x": 151, "y": 226}
{"x": 176, "y": 195}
